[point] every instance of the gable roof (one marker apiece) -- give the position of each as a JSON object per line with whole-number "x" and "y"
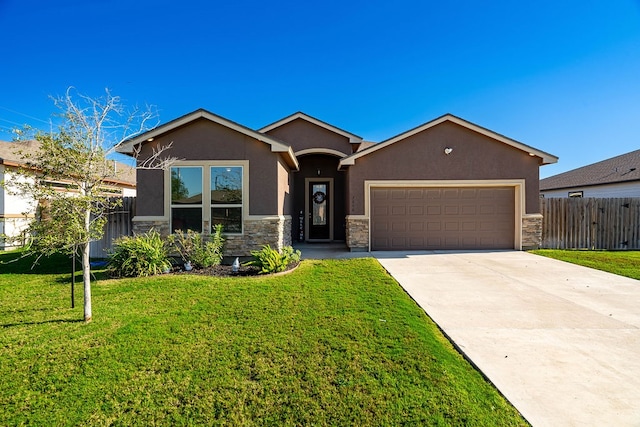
{"x": 354, "y": 139}
{"x": 123, "y": 174}
{"x": 546, "y": 157}
{"x": 623, "y": 168}
{"x": 126, "y": 147}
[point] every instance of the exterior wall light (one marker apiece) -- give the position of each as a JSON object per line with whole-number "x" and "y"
{"x": 448, "y": 150}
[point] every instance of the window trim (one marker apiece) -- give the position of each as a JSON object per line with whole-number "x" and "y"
{"x": 206, "y": 190}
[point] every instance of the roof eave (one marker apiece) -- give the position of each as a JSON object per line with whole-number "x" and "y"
{"x": 276, "y": 146}
{"x": 353, "y": 139}
{"x": 546, "y": 157}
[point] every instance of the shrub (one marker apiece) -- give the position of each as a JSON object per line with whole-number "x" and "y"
{"x": 270, "y": 260}
{"x": 141, "y": 255}
{"x": 201, "y": 251}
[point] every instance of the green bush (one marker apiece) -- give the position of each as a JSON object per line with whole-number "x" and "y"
{"x": 141, "y": 255}
{"x": 270, "y": 260}
{"x": 194, "y": 247}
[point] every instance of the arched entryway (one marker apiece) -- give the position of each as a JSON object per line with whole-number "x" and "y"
{"x": 318, "y": 199}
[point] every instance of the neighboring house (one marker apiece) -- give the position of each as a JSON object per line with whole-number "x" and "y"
{"x": 615, "y": 177}
{"x": 447, "y": 184}
{"x": 16, "y": 211}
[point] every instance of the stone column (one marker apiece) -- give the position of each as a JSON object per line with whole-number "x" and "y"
{"x": 531, "y": 231}
{"x": 358, "y": 234}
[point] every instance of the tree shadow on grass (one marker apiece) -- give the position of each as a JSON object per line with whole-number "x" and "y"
{"x": 17, "y": 263}
{"x": 96, "y": 276}
{"x": 41, "y": 322}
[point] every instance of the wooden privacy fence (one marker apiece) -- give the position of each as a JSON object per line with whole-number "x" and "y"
{"x": 118, "y": 224}
{"x": 588, "y": 223}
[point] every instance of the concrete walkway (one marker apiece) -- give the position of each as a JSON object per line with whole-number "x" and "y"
{"x": 560, "y": 341}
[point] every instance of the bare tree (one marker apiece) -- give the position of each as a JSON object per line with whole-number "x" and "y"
{"x": 77, "y": 154}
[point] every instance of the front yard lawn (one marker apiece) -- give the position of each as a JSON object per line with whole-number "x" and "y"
{"x": 623, "y": 263}
{"x": 335, "y": 342}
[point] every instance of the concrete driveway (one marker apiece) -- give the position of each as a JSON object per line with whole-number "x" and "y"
{"x": 560, "y": 341}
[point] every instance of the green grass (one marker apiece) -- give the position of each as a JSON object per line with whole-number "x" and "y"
{"x": 335, "y": 342}
{"x": 623, "y": 263}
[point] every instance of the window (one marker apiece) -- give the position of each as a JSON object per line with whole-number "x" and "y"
{"x": 186, "y": 198}
{"x": 226, "y": 198}
{"x": 207, "y": 195}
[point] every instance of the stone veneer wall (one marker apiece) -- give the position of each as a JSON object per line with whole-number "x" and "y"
{"x": 274, "y": 231}
{"x": 142, "y": 226}
{"x": 531, "y": 231}
{"x": 358, "y": 234}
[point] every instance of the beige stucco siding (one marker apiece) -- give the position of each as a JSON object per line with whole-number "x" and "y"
{"x": 421, "y": 157}
{"x": 302, "y": 135}
{"x": 206, "y": 141}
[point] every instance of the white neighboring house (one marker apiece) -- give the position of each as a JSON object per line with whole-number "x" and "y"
{"x": 17, "y": 211}
{"x": 615, "y": 177}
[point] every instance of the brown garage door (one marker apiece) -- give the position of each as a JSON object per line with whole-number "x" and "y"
{"x": 442, "y": 218}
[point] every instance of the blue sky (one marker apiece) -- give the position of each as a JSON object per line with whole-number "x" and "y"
{"x": 563, "y": 77}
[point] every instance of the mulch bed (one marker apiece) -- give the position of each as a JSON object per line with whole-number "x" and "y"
{"x": 226, "y": 271}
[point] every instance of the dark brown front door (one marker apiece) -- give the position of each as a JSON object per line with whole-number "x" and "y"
{"x": 319, "y": 214}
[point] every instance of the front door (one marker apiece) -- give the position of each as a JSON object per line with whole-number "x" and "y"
{"x": 319, "y": 210}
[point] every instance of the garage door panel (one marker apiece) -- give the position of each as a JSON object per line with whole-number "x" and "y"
{"x": 434, "y": 210}
{"x": 468, "y": 210}
{"x": 487, "y": 209}
{"x": 399, "y": 194}
{"x": 416, "y": 210}
{"x": 381, "y": 210}
{"x": 433, "y": 193}
{"x": 443, "y": 218}
{"x": 469, "y": 226}
{"x": 450, "y": 193}
{"x": 398, "y": 226}
{"x": 398, "y": 210}
{"x": 451, "y": 226}
{"x": 451, "y": 210}
{"x": 468, "y": 193}
{"x": 416, "y": 226}
{"x": 434, "y": 226}
{"x": 378, "y": 194}
{"x": 416, "y": 242}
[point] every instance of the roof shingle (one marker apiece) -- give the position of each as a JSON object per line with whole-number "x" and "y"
{"x": 623, "y": 168}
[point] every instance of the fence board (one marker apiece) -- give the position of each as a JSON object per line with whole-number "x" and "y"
{"x": 589, "y": 223}
{"x": 118, "y": 224}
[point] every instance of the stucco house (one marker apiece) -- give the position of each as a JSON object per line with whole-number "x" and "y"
{"x": 615, "y": 177}
{"x": 17, "y": 211}
{"x": 447, "y": 184}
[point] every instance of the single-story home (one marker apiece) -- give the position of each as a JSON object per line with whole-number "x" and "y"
{"x": 17, "y": 211}
{"x": 446, "y": 184}
{"x": 615, "y": 177}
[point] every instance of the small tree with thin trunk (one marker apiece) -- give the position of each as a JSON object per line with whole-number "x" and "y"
{"x": 67, "y": 170}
